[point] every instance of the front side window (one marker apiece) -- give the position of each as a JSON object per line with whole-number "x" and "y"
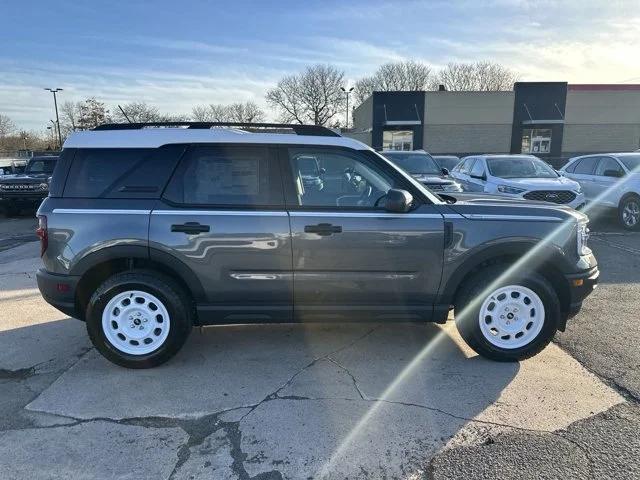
{"x": 220, "y": 175}
{"x": 41, "y": 166}
{"x": 478, "y": 169}
{"x": 610, "y": 166}
{"x": 344, "y": 179}
{"x": 520, "y": 167}
{"x": 465, "y": 166}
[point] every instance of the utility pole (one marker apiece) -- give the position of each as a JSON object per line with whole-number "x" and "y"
{"x": 347, "y": 92}
{"x": 55, "y": 104}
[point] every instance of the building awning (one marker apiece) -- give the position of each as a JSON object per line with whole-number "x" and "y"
{"x": 401, "y": 122}
{"x": 542, "y": 121}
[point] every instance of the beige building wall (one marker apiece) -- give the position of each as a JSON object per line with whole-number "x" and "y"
{"x": 364, "y": 137}
{"x": 601, "y": 121}
{"x": 363, "y": 115}
{"x": 468, "y": 122}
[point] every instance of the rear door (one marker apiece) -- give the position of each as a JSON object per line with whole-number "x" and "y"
{"x": 350, "y": 256}
{"x": 608, "y": 173}
{"x": 222, "y": 217}
{"x": 584, "y": 174}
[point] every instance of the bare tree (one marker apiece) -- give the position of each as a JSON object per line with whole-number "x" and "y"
{"x": 479, "y": 76}
{"x": 399, "y": 76}
{"x": 91, "y": 114}
{"x": 210, "y": 113}
{"x": 69, "y": 115}
{"x": 313, "y": 96}
{"x": 6, "y": 125}
{"x": 247, "y": 112}
{"x": 138, "y": 112}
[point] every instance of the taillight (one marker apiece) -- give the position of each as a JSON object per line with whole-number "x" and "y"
{"x": 42, "y": 233}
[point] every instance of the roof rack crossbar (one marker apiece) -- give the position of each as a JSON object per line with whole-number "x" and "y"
{"x": 315, "y": 130}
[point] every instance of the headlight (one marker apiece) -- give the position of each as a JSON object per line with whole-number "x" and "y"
{"x": 44, "y": 186}
{"x": 452, "y": 187}
{"x": 582, "y": 236}
{"x": 511, "y": 190}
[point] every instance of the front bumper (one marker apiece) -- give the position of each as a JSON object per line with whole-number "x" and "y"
{"x": 580, "y": 287}
{"x": 59, "y": 291}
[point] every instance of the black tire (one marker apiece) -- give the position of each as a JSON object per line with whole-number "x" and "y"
{"x": 467, "y": 313}
{"x": 173, "y": 298}
{"x": 627, "y": 201}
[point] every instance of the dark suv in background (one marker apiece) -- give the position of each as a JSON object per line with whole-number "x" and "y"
{"x": 148, "y": 231}
{"x": 28, "y": 189}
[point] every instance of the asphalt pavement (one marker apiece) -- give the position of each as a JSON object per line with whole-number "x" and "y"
{"x": 336, "y": 401}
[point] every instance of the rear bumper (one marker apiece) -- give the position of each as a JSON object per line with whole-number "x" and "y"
{"x": 59, "y": 291}
{"x": 580, "y": 287}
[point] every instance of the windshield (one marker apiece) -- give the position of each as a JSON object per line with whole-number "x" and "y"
{"x": 415, "y": 163}
{"x": 41, "y": 166}
{"x": 632, "y": 162}
{"x": 520, "y": 167}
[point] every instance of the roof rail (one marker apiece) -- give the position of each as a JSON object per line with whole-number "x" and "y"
{"x": 315, "y": 130}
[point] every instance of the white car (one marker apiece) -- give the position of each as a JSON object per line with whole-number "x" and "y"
{"x": 523, "y": 176}
{"x": 610, "y": 180}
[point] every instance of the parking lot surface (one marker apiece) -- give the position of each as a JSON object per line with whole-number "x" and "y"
{"x": 323, "y": 400}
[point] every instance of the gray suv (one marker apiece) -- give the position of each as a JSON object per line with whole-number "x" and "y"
{"x": 150, "y": 229}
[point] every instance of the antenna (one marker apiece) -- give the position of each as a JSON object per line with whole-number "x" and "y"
{"x": 125, "y": 115}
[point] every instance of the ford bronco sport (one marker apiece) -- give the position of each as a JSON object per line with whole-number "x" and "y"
{"x": 150, "y": 229}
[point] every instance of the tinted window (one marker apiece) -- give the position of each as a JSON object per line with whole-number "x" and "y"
{"x": 349, "y": 179}
{"x": 632, "y": 162}
{"x": 608, "y": 164}
{"x": 586, "y": 166}
{"x": 121, "y": 173}
{"x": 414, "y": 162}
{"x": 571, "y": 167}
{"x": 465, "y": 165}
{"x": 220, "y": 175}
{"x": 41, "y": 166}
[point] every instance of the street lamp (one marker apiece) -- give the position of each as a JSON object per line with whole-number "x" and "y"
{"x": 55, "y": 104}
{"x": 347, "y": 92}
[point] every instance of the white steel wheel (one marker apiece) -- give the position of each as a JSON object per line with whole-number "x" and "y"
{"x": 511, "y": 317}
{"x": 135, "y": 322}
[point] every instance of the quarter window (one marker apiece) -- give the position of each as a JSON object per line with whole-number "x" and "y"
{"x": 219, "y": 175}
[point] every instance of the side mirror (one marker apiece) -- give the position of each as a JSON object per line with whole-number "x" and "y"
{"x": 398, "y": 201}
{"x": 322, "y": 170}
{"x": 445, "y": 172}
{"x": 613, "y": 173}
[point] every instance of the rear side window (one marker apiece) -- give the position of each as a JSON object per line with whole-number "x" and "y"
{"x": 586, "y": 166}
{"x": 120, "y": 172}
{"x": 227, "y": 176}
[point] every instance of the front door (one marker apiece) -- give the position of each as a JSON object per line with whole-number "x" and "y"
{"x": 222, "y": 218}
{"x": 351, "y": 257}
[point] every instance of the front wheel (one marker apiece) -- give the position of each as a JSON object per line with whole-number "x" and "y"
{"x": 507, "y": 319}
{"x": 629, "y": 212}
{"x": 139, "y": 319}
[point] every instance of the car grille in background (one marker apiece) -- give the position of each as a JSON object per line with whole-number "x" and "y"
{"x": 553, "y": 196}
{"x": 20, "y": 186}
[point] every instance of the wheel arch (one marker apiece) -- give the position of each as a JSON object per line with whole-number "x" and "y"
{"x": 98, "y": 266}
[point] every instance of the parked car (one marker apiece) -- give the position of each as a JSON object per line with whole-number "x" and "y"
{"x": 610, "y": 180}
{"x": 424, "y": 168}
{"x": 28, "y": 189}
{"x": 10, "y": 166}
{"x": 149, "y": 231}
{"x": 447, "y": 161}
{"x": 519, "y": 176}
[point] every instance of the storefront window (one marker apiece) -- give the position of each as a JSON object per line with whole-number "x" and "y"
{"x": 397, "y": 140}
{"x": 536, "y": 140}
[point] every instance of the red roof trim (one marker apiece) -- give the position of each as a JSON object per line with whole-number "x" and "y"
{"x": 604, "y": 86}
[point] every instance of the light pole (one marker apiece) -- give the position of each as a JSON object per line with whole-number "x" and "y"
{"x": 55, "y": 104}
{"x": 347, "y": 92}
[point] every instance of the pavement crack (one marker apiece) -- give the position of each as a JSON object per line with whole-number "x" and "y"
{"x": 353, "y": 378}
{"x": 234, "y": 435}
{"x": 19, "y": 374}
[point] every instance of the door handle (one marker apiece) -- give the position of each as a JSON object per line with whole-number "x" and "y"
{"x": 323, "y": 229}
{"x": 190, "y": 227}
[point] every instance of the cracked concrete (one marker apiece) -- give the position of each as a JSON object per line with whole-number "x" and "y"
{"x": 271, "y": 401}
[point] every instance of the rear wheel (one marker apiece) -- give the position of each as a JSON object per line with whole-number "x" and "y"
{"x": 507, "y": 319}
{"x": 629, "y": 212}
{"x": 139, "y": 319}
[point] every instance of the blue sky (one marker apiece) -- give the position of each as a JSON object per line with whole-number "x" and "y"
{"x": 175, "y": 54}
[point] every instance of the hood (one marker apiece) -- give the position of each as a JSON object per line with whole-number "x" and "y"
{"x": 560, "y": 183}
{"x": 433, "y": 179}
{"x": 25, "y": 178}
{"x": 470, "y": 204}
